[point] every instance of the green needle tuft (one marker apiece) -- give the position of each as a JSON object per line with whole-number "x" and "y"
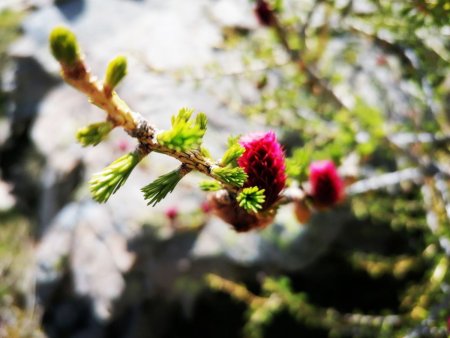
{"x": 251, "y": 199}
{"x": 110, "y": 179}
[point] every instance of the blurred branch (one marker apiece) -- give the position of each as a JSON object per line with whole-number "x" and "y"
{"x": 442, "y": 186}
{"x": 433, "y": 219}
{"x": 309, "y": 17}
{"x": 238, "y": 291}
{"x": 408, "y": 60}
{"x": 282, "y": 297}
{"x": 308, "y": 70}
{"x": 385, "y": 180}
{"x": 404, "y": 139}
{"x": 293, "y": 194}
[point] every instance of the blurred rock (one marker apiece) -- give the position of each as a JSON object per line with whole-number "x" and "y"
{"x": 85, "y": 235}
{"x": 7, "y": 201}
{"x": 284, "y": 245}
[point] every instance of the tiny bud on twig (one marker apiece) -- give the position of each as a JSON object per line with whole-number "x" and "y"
{"x": 116, "y": 71}
{"x": 64, "y": 46}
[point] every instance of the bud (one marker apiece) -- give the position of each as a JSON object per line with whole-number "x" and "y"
{"x": 302, "y": 212}
{"x": 205, "y": 207}
{"x": 123, "y": 145}
{"x": 264, "y": 13}
{"x": 93, "y": 134}
{"x": 327, "y": 187}
{"x": 172, "y": 213}
{"x": 64, "y": 46}
{"x": 116, "y": 71}
{"x": 264, "y": 163}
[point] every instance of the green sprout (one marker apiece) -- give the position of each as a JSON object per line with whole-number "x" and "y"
{"x": 163, "y": 185}
{"x": 64, "y": 46}
{"x": 93, "y": 134}
{"x": 116, "y": 71}
{"x": 185, "y": 134}
{"x": 251, "y": 199}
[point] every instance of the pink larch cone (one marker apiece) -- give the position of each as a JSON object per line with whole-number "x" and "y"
{"x": 327, "y": 187}
{"x": 264, "y": 163}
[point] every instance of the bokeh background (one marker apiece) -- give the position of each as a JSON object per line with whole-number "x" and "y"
{"x": 364, "y": 83}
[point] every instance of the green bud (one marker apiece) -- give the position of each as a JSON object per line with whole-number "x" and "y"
{"x": 64, "y": 46}
{"x": 251, "y": 199}
{"x": 116, "y": 71}
{"x": 93, "y": 134}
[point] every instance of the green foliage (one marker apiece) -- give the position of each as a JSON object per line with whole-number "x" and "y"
{"x": 370, "y": 118}
{"x": 400, "y": 212}
{"x": 297, "y": 164}
{"x": 185, "y": 134}
{"x": 278, "y": 5}
{"x": 116, "y": 71}
{"x": 19, "y": 320}
{"x": 210, "y": 185}
{"x": 163, "y": 185}
{"x": 110, "y": 179}
{"x": 378, "y": 265}
{"x": 93, "y": 134}
{"x": 234, "y": 176}
{"x": 251, "y": 199}
{"x": 260, "y": 317}
{"x": 64, "y": 46}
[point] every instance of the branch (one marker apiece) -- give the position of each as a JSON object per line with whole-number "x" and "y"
{"x": 297, "y": 194}
{"x": 432, "y": 217}
{"x": 385, "y": 180}
{"x": 181, "y": 143}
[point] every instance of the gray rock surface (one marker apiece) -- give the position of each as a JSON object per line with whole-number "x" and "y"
{"x": 7, "y": 200}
